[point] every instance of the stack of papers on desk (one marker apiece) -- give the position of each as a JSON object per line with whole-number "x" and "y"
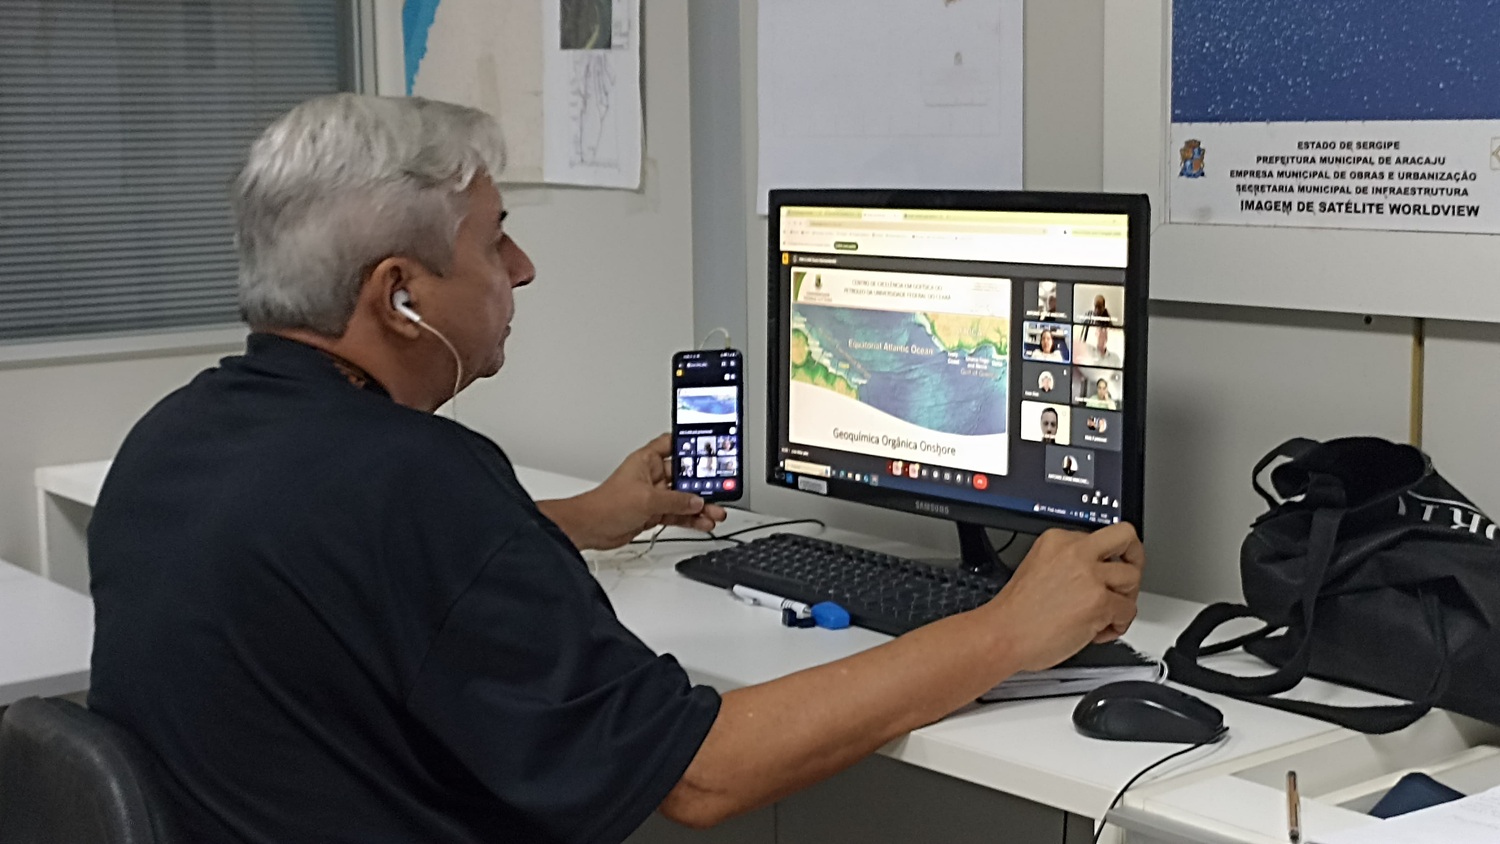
{"x": 1472, "y": 820}
{"x": 1093, "y": 667}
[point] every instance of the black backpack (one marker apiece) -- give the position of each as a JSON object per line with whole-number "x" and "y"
{"x": 1382, "y": 576}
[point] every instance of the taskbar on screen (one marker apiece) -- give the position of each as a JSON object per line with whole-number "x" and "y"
{"x": 1094, "y": 508}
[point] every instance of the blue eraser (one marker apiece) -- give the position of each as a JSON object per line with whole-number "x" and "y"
{"x": 830, "y": 616}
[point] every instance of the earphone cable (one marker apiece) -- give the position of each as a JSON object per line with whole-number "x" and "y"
{"x": 458, "y": 369}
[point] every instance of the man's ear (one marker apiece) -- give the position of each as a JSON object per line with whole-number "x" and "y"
{"x": 392, "y": 292}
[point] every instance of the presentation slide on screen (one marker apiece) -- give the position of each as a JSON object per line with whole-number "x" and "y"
{"x": 903, "y": 366}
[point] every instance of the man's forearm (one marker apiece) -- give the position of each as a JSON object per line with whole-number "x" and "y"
{"x": 775, "y": 738}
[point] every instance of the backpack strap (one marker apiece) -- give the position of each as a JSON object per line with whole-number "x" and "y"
{"x": 1380, "y": 719}
{"x": 1290, "y": 450}
{"x": 1183, "y": 667}
{"x": 1182, "y": 658}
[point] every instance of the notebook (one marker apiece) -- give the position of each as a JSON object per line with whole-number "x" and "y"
{"x": 1089, "y": 669}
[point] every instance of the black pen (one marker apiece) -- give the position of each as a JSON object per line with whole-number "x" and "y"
{"x": 1293, "y": 809}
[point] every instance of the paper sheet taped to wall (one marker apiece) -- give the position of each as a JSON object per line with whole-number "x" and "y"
{"x": 920, "y": 94}
{"x": 562, "y": 76}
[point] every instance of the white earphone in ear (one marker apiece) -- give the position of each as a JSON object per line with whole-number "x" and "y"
{"x": 401, "y": 301}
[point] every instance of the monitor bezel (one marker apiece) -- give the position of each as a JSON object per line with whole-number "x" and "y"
{"x": 1135, "y": 207}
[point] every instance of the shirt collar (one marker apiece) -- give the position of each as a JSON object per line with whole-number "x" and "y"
{"x": 284, "y": 356}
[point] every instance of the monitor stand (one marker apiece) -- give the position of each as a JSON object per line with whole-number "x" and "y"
{"x": 977, "y": 553}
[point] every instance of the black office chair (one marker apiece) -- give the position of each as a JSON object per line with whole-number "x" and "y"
{"x": 69, "y": 776}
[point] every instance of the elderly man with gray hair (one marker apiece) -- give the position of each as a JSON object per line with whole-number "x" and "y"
{"x": 336, "y": 616}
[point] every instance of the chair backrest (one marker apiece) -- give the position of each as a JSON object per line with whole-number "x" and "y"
{"x": 70, "y": 775}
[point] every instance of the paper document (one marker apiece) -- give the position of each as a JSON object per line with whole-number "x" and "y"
{"x": 1091, "y": 668}
{"x": 496, "y": 67}
{"x": 919, "y": 94}
{"x": 563, "y": 77}
{"x": 1472, "y": 820}
{"x": 591, "y": 92}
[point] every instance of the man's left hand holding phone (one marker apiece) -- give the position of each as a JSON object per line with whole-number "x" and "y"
{"x": 656, "y": 485}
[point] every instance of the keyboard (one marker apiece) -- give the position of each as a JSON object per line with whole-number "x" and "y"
{"x": 881, "y": 592}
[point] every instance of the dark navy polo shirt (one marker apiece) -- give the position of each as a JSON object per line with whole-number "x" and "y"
{"x": 337, "y": 619}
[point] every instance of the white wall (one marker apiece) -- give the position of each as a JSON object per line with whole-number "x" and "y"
{"x": 1229, "y": 384}
{"x": 586, "y": 374}
{"x": 1461, "y": 408}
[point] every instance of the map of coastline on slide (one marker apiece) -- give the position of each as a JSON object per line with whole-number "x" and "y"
{"x": 929, "y": 387}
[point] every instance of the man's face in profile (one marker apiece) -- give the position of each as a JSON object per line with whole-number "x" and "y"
{"x": 476, "y": 301}
{"x": 1049, "y": 424}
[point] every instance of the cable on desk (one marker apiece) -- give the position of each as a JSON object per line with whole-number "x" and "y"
{"x": 708, "y": 538}
{"x": 730, "y": 537}
{"x": 788, "y": 523}
{"x": 1015, "y": 534}
{"x": 1146, "y": 770}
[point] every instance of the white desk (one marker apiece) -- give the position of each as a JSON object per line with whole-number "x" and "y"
{"x": 1342, "y": 774}
{"x": 1025, "y": 748}
{"x": 46, "y": 637}
{"x": 1029, "y": 749}
{"x": 65, "y": 497}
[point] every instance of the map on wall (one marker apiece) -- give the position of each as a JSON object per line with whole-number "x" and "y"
{"x": 563, "y": 77}
{"x": 1361, "y": 114}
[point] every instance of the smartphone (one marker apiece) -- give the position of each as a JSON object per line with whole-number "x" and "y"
{"x": 708, "y": 423}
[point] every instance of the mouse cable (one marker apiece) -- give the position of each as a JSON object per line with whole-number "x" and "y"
{"x": 1146, "y": 770}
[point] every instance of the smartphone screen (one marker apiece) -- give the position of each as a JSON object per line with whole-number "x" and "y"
{"x": 708, "y": 390}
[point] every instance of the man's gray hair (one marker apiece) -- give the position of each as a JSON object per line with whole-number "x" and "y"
{"x": 342, "y": 182}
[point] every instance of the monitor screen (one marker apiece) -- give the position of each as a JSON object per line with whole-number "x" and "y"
{"x": 978, "y": 356}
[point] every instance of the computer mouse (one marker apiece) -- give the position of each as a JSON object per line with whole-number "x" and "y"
{"x": 1140, "y": 710}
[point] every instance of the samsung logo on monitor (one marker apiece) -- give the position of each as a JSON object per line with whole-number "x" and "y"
{"x": 929, "y": 507}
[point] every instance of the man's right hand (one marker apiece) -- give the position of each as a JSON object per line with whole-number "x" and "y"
{"x": 1072, "y": 589}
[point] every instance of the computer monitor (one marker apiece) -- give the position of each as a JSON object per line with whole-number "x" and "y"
{"x": 973, "y": 355}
